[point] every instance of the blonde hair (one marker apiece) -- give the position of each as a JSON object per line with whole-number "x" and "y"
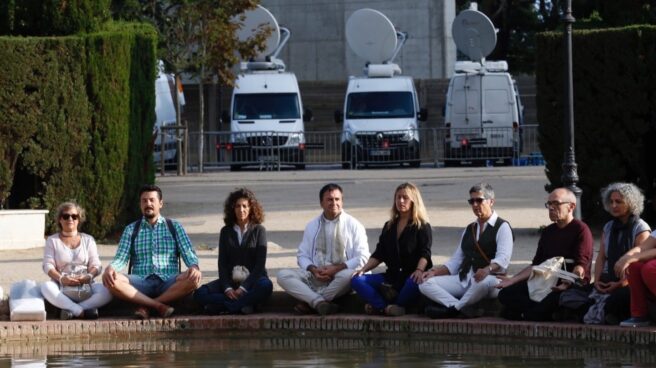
{"x": 419, "y": 215}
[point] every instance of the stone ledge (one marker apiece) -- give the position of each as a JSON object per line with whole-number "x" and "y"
{"x": 360, "y": 325}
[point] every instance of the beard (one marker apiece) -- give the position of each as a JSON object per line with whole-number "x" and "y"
{"x": 149, "y": 213}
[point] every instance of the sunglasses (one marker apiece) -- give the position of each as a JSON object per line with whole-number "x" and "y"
{"x": 475, "y": 200}
{"x": 68, "y": 216}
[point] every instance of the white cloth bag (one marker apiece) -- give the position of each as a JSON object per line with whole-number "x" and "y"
{"x": 543, "y": 277}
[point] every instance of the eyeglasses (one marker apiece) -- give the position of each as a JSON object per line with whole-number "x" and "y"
{"x": 548, "y": 204}
{"x": 68, "y": 216}
{"x": 475, "y": 200}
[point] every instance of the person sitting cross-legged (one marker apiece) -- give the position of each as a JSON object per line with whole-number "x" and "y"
{"x": 469, "y": 276}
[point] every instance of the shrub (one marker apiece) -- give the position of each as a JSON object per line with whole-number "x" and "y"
{"x": 614, "y": 108}
{"x": 90, "y": 101}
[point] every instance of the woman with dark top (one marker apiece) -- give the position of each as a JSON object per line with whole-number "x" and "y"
{"x": 405, "y": 248}
{"x": 243, "y": 282}
{"x": 627, "y": 230}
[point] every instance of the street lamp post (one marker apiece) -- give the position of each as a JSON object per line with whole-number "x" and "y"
{"x": 570, "y": 176}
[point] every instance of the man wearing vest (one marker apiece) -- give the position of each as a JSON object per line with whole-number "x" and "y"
{"x": 152, "y": 247}
{"x": 470, "y": 275}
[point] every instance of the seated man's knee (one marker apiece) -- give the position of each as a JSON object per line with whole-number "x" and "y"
{"x": 285, "y": 274}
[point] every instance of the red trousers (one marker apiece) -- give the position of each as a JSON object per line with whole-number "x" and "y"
{"x": 642, "y": 282}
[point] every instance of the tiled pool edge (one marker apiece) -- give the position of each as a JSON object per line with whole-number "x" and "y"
{"x": 345, "y": 323}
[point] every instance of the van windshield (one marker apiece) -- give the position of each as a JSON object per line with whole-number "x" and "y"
{"x": 376, "y": 105}
{"x": 266, "y": 106}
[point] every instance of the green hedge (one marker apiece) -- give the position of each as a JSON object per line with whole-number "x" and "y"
{"x": 614, "y": 108}
{"x": 52, "y": 17}
{"x": 90, "y": 100}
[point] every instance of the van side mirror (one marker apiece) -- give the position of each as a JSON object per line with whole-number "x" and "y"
{"x": 339, "y": 117}
{"x": 307, "y": 115}
{"x": 225, "y": 117}
{"x": 422, "y": 115}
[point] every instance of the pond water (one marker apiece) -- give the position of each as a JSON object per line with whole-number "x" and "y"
{"x": 207, "y": 349}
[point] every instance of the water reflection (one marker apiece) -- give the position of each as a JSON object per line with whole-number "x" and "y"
{"x": 239, "y": 350}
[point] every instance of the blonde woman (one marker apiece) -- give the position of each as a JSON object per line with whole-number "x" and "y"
{"x": 405, "y": 248}
{"x": 71, "y": 260}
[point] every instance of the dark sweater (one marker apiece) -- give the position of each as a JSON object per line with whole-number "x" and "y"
{"x": 574, "y": 241}
{"x": 402, "y": 257}
{"x": 251, "y": 253}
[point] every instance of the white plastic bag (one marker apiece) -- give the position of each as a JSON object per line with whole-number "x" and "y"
{"x": 543, "y": 277}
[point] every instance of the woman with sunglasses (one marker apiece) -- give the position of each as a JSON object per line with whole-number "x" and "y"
{"x": 405, "y": 248}
{"x": 71, "y": 260}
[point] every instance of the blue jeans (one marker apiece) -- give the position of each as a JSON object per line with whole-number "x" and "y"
{"x": 152, "y": 285}
{"x": 210, "y": 294}
{"x": 366, "y": 286}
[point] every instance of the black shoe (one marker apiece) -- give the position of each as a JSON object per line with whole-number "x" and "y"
{"x": 471, "y": 311}
{"x": 440, "y": 312}
{"x": 248, "y": 309}
{"x": 91, "y": 313}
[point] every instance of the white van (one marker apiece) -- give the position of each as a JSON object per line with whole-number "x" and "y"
{"x": 267, "y": 120}
{"x": 483, "y": 114}
{"x": 165, "y": 115}
{"x": 380, "y": 121}
{"x": 266, "y": 113}
{"x": 381, "y": 109}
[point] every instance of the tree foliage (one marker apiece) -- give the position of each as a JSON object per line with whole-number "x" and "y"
{"x": 519, "y": 21}
{"x": 52, "y": 17}
{"x": 197, "y": 36}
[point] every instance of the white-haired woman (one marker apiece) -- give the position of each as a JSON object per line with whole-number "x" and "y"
{"x": 71, "y": 260}
{"x": 621, "y": 238}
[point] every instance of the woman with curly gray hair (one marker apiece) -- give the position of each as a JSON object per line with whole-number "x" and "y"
{"x": 622, "y": 235}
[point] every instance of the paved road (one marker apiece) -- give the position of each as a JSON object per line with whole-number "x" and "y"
{"x": 290, "y": 200}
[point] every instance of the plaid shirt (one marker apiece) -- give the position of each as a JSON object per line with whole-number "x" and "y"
{"x": 154, "y": 250}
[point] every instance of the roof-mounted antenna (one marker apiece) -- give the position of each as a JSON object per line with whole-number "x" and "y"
{"x": 371, "y": 35}
{"x": 267, "y": 58}
{"x": 474, "y": 34}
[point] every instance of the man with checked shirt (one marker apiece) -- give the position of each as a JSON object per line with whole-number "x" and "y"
{"x": 155, "y": 279}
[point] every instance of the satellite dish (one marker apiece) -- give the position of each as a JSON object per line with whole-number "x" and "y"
{"x": 474, "y": 34}
{"x": 371, "y": 35}
{"x": 253, "y": 21}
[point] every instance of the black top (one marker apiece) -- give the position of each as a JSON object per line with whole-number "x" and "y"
{"x": 251, "y": 253}
{"x": 402, "y": 256}
{"x": 473, "y": 259}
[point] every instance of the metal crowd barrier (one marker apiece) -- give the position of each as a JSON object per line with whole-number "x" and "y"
{"x": 268, "y": 150}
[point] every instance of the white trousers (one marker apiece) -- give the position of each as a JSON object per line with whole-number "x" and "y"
{"x": 449, "y": 291}
{"x": 303, "y": 286}
{"x": 99, "y": 297}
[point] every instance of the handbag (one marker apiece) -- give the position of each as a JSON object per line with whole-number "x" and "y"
{"x": 76, "y": 293}
{"x": 546, "y": 275}
{"x": 543, "y": 277}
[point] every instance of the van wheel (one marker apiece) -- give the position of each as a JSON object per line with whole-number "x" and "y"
{"x": 300, "y": 167}
{"x": 415, "y": 164}
{"x": 451, "y": 163}
{"x": 235, "y": 167}
{"x": 346, "y": 165}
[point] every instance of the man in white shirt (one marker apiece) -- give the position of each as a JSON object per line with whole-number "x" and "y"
{"x": 469, "y": 276}
{"x": 334, "y": 245}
